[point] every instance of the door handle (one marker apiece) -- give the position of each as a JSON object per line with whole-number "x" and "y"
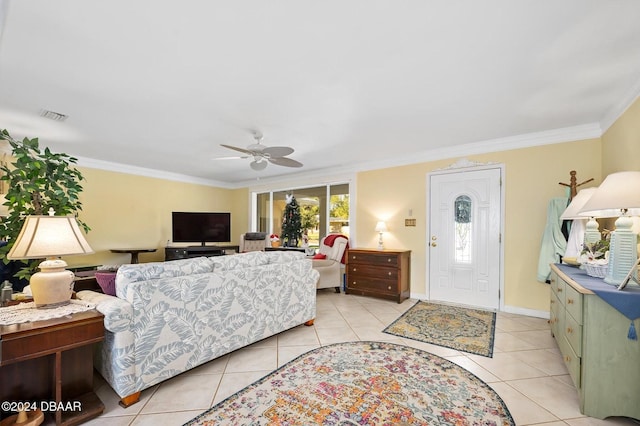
{"x": 433, "y": 244}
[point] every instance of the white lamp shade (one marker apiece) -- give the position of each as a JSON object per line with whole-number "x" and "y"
{"x": 49, "y": 236}
{"x": 577, "y": 203}
{"x": 381, "y": 227}
{"x": 618, "y": 192}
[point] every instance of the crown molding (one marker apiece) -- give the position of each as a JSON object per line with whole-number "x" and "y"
{"x": 141, "y": 171}
{"x": 548, "y": 137}
{"x": 527, "y": 140}
{"x": 617, "y": 110}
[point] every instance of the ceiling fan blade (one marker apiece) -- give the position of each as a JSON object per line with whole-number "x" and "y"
{"x": 287, "y": 162}
{"x": 237, "y": 157}
{"x": 258, "y": 165}
{"x": 235, "y": 148}
{"x": 278, "y": 151}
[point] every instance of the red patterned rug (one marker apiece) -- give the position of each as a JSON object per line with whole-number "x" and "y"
{"x": 363, "y": 383}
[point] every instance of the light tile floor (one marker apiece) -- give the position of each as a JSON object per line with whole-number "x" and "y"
{"x": 526, "y": 369}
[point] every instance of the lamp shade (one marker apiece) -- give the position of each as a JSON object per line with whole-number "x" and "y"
{"x": 49, "y": 236}
{"x": 618, "y": 194}
{"x": 381, "y": 227}
{"x": 577, "y": 203}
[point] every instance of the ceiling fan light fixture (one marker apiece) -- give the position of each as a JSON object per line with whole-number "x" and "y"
{"x": 258, "y": 165}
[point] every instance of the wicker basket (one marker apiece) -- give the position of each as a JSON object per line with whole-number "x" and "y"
{"x": 595, "y": 270}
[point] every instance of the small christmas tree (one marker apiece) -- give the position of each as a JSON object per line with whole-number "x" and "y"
{"x": 291, "y": 223}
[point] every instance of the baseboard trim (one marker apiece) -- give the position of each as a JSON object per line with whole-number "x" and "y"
{"x": 508, "y": 309}
{"x": 524, "y": 311}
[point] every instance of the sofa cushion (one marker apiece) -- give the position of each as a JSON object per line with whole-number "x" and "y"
{"x": 284, "y": 256}
{"x": 154, "y": 270}
{"x": 241, "y": 260}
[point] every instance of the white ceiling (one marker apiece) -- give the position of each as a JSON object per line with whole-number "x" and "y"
{"x": 348, "y": 84}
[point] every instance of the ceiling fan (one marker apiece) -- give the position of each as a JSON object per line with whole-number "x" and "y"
{"x": 263, "y": 155}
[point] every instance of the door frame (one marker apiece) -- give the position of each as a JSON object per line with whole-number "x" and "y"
{"x": 464, "y": 165}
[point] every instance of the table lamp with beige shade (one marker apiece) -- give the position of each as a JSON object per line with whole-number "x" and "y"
{"x": 50, "y": 237}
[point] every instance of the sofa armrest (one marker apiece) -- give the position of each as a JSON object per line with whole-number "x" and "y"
{"x": 118, "y": 313}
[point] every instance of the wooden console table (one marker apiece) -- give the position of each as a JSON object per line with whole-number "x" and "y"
{"x": 49, "y": 364}
{"x": 133, "y": 252}
{"x": 173, "y": 253}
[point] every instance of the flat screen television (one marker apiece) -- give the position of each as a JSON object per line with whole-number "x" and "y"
{"x": 201, "y": 227}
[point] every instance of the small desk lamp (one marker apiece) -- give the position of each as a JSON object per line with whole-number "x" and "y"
{"x": 591, "y": 232}
{"x": 50, "y": 237}
{"x": 618, "y": 195}
{"x": 380, "y": 228}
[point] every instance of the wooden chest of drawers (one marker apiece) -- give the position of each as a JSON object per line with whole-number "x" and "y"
{"x": 592, "y": 337}
{"x": 379, "y": 273}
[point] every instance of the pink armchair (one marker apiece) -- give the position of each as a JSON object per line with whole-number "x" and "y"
{"x": 333, "y": 247}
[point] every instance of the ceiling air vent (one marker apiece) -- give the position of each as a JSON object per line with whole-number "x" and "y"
{"x": 52, "y": 115}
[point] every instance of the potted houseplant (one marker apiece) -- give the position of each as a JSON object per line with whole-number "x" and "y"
{"x": 37, "y": 181}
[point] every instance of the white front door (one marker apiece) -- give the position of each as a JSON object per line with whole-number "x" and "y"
{"x": 464, "y": 240}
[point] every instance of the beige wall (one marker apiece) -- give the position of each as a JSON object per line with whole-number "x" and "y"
{"x": 532, "y": 179}
{"x": 128, "y": 211}
{"x": 621, "y": 142}
{"x": 133, "y": 211}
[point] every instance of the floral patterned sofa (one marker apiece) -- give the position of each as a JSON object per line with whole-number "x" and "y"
{"x": 169, "y": 317}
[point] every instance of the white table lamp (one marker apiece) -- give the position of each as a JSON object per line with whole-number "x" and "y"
{"x": 50, "y": 237}
{"x": 591, "y": 233}
{"x": 618, "y": 196}
{"x": 380, "y": 228}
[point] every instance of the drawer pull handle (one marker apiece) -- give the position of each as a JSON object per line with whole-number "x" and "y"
{"x": 569, "y": 330}
{"x": 552, "y": 280}
{"x": 389, "y": 288}
{"x": 354, "y": 269}
{"x": 569, "y": 301}
{"x": 389, "y": 260}
{"x": 553, "y": 301}
{"x": 389, "y": 273}
{"x": 559, "y": 290}
{"x": 567, "y": 358}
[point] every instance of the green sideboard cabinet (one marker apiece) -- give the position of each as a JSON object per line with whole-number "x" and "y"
{"x": 592, "y": 337}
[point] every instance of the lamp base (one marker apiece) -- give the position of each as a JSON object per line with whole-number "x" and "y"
{"x": 53, "y": 286}
{"x": 623, "y": 251}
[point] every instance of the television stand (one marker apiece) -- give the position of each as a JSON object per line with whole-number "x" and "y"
{"x": 173, "y": 253}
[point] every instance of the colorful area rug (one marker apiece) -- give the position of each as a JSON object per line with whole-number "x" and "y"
{"x": 363, "y": 383}
{"x": 463, "y": 329}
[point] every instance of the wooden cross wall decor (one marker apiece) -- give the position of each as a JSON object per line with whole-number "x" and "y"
{"x": 573, "y": 186}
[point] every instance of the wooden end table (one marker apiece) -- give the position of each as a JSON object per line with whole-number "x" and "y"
{"x": 134, "y": 252}
{"x": 49, "y": 364}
